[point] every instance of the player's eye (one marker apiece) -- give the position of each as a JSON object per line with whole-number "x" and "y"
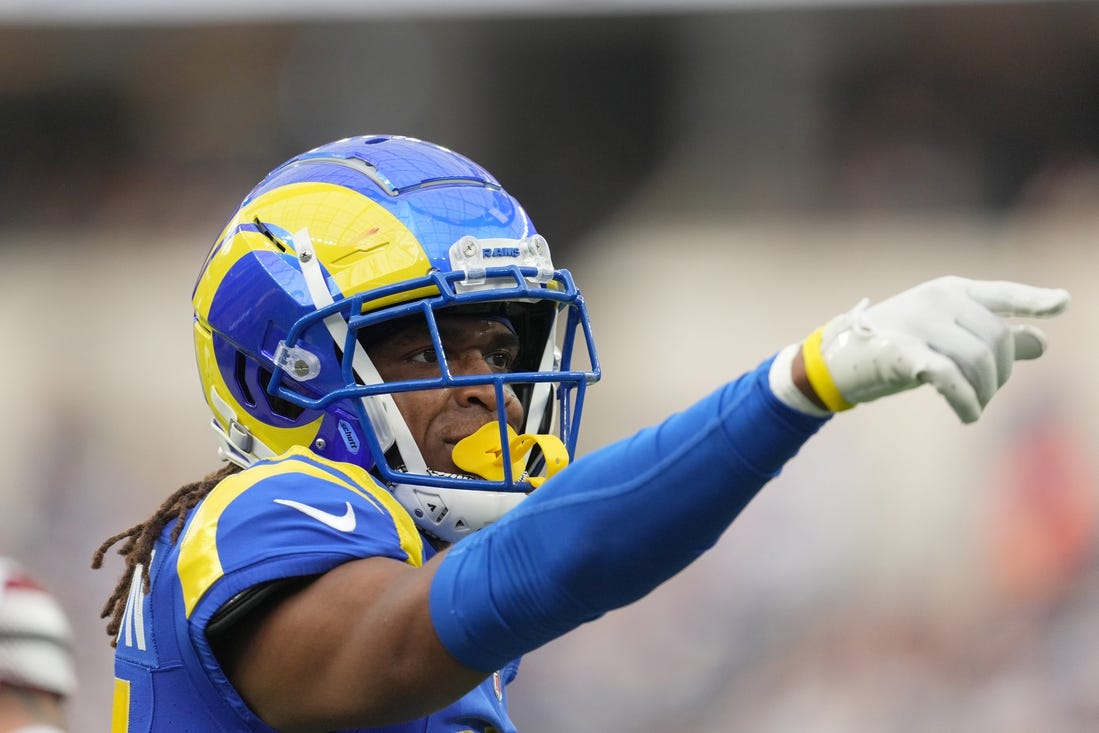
{"x": 425, "y": 356}
{"x": 502, "y": 360}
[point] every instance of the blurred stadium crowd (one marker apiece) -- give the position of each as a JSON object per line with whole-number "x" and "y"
{"x": 719, "y": 183}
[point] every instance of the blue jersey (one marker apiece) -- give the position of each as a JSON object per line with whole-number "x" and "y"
{"x": 293, "y": 516}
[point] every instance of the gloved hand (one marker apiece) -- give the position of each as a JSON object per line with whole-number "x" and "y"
{"x": 949, "y": 332}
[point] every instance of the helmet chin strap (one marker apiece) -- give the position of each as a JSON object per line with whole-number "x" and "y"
{"x": 451, "y": 514}
{"x": 385, "y": 418}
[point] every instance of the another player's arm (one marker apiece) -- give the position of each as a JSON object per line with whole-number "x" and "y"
{"x": 355, "y": 647}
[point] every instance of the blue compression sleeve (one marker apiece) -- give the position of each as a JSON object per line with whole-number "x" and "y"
{"x": 614, "y": 525}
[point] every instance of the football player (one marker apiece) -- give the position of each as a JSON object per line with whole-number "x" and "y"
{"x": 37, "y": 673}
{"x": 397, "y": 370}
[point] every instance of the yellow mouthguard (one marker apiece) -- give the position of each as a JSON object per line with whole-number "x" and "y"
{"x": 481, "y": 454}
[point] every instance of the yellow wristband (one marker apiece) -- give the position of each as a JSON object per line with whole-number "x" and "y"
{"x": 817, "y": 372}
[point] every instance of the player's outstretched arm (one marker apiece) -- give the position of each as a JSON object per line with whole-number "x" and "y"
{"x": 950, "y": 332}
{"x": 623, "y": 519}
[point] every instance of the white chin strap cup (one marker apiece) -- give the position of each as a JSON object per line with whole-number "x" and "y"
{"x": 451, "y": 514}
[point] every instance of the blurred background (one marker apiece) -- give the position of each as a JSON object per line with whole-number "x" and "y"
{"x": 721, "y": 177}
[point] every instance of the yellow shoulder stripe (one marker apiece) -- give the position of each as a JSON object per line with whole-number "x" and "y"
{"x": 199, "y": 565}
{"x": 367, "y": 487}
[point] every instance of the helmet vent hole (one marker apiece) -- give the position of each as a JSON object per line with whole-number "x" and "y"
{"x": 279, "y": 406}
{"x": 270, "y": 235}
{"x": 242, "y": 383}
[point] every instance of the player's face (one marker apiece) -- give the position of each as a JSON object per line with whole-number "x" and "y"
{"x": 439, "y": 418}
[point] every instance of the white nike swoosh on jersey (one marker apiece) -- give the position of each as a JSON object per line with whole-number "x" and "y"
{"x": 341, "y": 522}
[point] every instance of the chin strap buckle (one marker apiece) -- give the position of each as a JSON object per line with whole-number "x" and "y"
{"x": 236, "y": 443}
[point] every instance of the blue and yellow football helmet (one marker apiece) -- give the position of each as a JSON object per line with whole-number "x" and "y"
{"x": 336, "y": 243}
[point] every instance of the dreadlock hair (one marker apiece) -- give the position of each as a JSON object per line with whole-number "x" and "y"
{"x": 140, "y": 539}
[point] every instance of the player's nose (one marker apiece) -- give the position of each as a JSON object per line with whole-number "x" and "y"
{"x": 484, "y": 395}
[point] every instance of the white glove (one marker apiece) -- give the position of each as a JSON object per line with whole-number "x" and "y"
{"x": 950, "y": 332}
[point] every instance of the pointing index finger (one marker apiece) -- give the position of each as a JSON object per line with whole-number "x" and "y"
{"x": 1017, "y": 299}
